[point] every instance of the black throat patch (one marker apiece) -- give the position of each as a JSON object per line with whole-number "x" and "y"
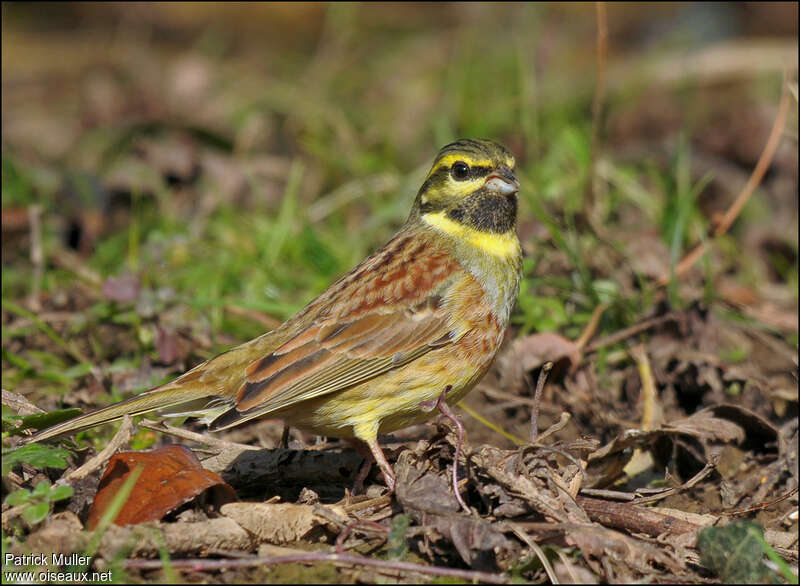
{"x": 487, "y": 213}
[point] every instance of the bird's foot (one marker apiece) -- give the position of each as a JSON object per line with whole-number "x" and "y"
{"x": 447, "y": 413}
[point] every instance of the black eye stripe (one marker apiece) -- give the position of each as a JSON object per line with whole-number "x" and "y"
{"x": 475, "y": 171}
{"x": 436, "y": 177}
{"x": 441, "y": 171}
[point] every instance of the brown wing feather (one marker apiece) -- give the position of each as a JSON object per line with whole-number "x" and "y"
{"x": 387, "y": 312}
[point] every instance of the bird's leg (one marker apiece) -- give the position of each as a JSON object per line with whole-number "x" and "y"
{"x": 447, "y": 413}
{"x": 363, "y": 451}
{"x": 380, "y": 458}
{"x": 371, "y": 452}
{"x": 284, "y": 437}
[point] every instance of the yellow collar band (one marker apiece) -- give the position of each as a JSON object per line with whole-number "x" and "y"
{"x": 503, "y": 245}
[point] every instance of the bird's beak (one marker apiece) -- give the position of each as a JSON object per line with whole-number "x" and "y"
{"x": 502, "y": 182}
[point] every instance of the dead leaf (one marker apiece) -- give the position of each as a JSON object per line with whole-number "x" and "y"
{"x": 427, "y": 497}
{"x": 528, "y": 480}
{"x": 536, "y": 349}
{"x": 771, "y": 314}
{"x": 180, "y": 539}
{"x": 703, "y": 425}
{"x": 61, "y": 534}
{"x": 172, "y": 476}
{"x": 736, "y": 293}
{"x": 168, "y": 344}
{"x": 173, "y": 156}
{"x": 421, "y": 489}
{"x": 275, "y": 523}
{"x": 706, "y": 427}
{"x": 529, "y": 353}
{"x": 607, "y": 545}
{"x": 122, "y": 289}
{"x": 760, "y": 434}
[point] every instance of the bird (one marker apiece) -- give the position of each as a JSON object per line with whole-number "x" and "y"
{"x": 413, "y": 326}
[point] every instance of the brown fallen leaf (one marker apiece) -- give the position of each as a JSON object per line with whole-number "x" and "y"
{"x": 280, "y": 523}
{"x": 536, "y": 349}
{"x": 189, "y": 539}
{"x": 736, "y": 293}
{"x": 426, "y": 496}
{"x": 617, "y": 550}
{"x": 773, "y": 315}
{"x": 704, "y": 426}
{"x": 169, "y": 346}
{"x": 531, "y": 352}
{"x": 713, "y": 425}
{"x": 172, "y": 476}
{"x": 122, "y": 289}
{"x": 760, "y": 434}
{"x": 15, "y": 219}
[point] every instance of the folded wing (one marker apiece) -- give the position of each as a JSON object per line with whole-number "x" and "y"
{"x": 380, "y": 326}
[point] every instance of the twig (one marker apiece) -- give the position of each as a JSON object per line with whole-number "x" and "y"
{"x": 637, "y": 499}
{"x": 37, "y": 257}
{"x": 599, "y": 91}
{"x": 574, "y": 578}
{"x": 609, "y": 495}
{"x": 676, "y": 489}
{"x": 754, "y": 181}
{"x": 551, "y": 574}
{"x": 316, "y": 558}
{"x": 200, "y": 438}
{"x": 364, "y": 525}
{"x": 20, "y": 404}
{"x": 649, "y": 393}
{"x": 629, "y": 331}
{"x": 633, "y": 518}
{"x": 591, "y": 327}
{"x": 377, "y": 502}
{"x": 761, "y": 166}
{"x": 758, "y": 506}
{"x": 557, "y": 426}
{"x": 537, "y": 398}
{"x": 121, "y": 438}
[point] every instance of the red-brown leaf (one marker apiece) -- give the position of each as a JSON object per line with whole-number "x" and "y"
{"x": 172, "y": 476}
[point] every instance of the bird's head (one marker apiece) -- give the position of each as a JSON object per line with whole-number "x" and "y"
{"x": 471, "y": 183}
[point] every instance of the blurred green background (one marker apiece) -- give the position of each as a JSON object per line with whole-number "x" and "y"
{"x": 200, "y": 171}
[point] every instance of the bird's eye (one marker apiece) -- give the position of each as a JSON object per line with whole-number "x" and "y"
{"x": 459, "y": 171}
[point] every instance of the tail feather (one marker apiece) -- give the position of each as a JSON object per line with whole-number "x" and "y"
{"x": 169, "y": 396}
{"x": 206, "y": 391}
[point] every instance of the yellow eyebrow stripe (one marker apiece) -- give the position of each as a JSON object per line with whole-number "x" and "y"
{"x": 503, "y": 245}
{"x": 448, "y": 160}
